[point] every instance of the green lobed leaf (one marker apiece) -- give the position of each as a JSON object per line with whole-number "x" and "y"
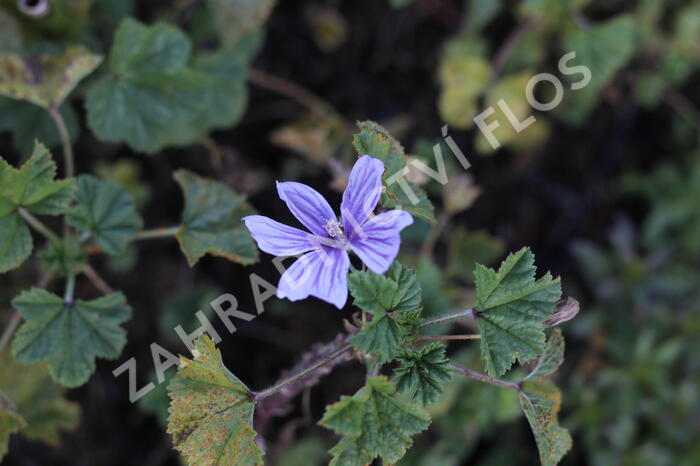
{"x": 211, "y": 412}
{"x": 45, "y": 80}
{"x": 235, "y": 19}
{"x": 511, "y": 308}
{"x": 604, "y": 49}
{"x": 541, "y": 400}
{"x": 393, "y": 300}
{"x": 376, "y": 141}
{"x": 107, "y": 212}
{"x": 211, "y": 221}
{"x": 424, "y": 373}
{"x": 32, "y": 187}
{"x": 373, "y": 423}
{"x": 552, "y": 357}
{"x": 69, "y": 336}
{"x": 150, "y": 92}
{"x": 40, "y": 401}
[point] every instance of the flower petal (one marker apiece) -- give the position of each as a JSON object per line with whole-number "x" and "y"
{"x": 277, "y": 238}
{"x": 322, "y": 273}
{"x": 307, "y": 205}
{"x": 378, "y": 241}
{"x": 362, "y": 194}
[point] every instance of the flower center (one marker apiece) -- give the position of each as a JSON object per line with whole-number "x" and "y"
{"x": 334, "y": 229}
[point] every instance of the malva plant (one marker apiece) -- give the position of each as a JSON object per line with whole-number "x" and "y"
{"x": 156, "y": 90}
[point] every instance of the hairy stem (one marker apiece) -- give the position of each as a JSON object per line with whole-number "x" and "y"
{"x": 158, "y": 233}
{"x": 508, "y": 46}
{"x": 70, "y": 289}
{"x": 291, "y": 90}
{"x": 96, "y": 280}
{"x": 38, "y": 225}
{"x": 279, "y": 386}
{"x": 447, "y": 337}
{"x": 467, "y": 313}
{"x": 485, "y": 378}
{"x": 69, "y": 161}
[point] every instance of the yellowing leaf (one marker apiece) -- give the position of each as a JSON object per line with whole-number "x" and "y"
{"x": 540, "y": 400}
{"x": 40, "y": 401}
{"x": 45, "y": 80}
{"x": 10, "y": 422}
{"x": 211, "y": 412}
{"x": 237, "y": 18}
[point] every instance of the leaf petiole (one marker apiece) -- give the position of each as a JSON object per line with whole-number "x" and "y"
{"x": 158, "y": 233}
{"x": 38, "y": 225}
{"x": 464, "y": 314}
{"x": 485, "y": 378}
{"x": 279, "y": 386}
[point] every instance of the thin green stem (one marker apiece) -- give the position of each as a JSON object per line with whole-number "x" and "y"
{"x": 158, "y": 233}
{"x": 279, "y": 386}
{"x": 448, "y": 337}
{"x": 9, "y": 330}
{"x": 467, "y": 313}
{"x": 38, "y": 225}
{"x": 485, "y": 378}
{"x": 70, "y": 289}
{"x": 68, "y": 159}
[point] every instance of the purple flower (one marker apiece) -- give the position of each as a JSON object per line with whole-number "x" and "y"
{"x": 323, "y": 268}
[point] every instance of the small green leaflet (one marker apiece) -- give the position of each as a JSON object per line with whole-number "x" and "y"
{"x": 235, "y": 19}
{"x": 45, "y": 80}
{"x": 604, "y": 49}
{"x": 374, "y": 422}
{"x": 211, "y": 413}
{"x": 32, "y": 187}
{"x": 540, "y": 400}
{"x": 511, "y": 308}
{"x": 69, "y": 336}
{"x": 151, "y": 88}
{"x": 107, "y": 212}
{"x": 211, "y": 221}
{"x": 424, "y": 373}
{"x": 376, "y": 141}
{"x": 40, "y": 401}
{"x": 10, "y": 422}
{"x": 63, "y": 257}
{"x": 393, "y": 300}
{"x": 552, "y": 357}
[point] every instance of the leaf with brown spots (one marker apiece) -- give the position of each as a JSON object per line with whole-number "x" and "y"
{"x": 45, "y": 80}
{"x": 211, "y": 412}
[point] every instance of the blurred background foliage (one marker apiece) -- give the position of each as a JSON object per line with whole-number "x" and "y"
{"x": 606, "y": 190}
